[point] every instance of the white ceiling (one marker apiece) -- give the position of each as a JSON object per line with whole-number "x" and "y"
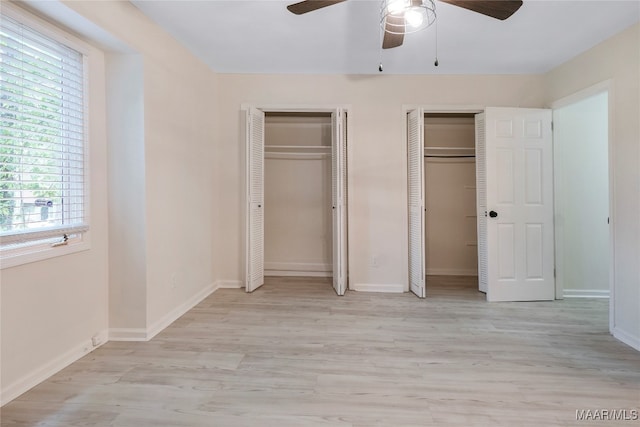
{"x": 261, "y": 36}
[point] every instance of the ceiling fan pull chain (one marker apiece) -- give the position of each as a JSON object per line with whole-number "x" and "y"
{"x": 436, "y": 63}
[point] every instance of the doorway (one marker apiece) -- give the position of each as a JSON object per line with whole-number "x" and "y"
{"x": 514, "y": 194}
{"x": 302, "y": 156}
{"x": 582, "y": 207}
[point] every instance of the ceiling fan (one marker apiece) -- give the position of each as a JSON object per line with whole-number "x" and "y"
{"x": 397, "y": 14}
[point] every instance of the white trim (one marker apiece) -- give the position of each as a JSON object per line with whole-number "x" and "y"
{"x": 389, "y": 288}
{"x": 585, "y": 293}
{"x": 38, "y": 375}
{"x": 127, "y": 334}
{"x": 142, "y": 334}
{"x": 626, "y": 338}
{"x": 179, "y": 311}
{"x": 229, "y": 284}
{"x": 298, "y": 269}
{"x": 452, "y": 271}
{"x": 604, "y": 86}
{"x": 295, "y": 108}
{"x": 297, "y": 273}
{"x": 299, "y": 266}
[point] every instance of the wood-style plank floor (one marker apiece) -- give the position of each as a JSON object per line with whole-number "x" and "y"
{"x": 295, "y": 354}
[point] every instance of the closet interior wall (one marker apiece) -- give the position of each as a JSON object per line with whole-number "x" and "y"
{"x": 450, "y": 195}
{"x": 297, "y": 177}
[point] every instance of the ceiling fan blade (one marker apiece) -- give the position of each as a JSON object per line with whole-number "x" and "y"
{"x": 499, "y": 9}
{"x": 393, "y": 31}
{"x": 311, "y": 5}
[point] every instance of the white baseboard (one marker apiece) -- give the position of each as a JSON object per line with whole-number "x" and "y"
{"x": 26, "y": 383}
{"x": 585, "y": 293}
{"x": 298, "y": 266}
{"x": 452, "y": 272}
{"x": 229, "y": 284}
{"x": 367, "y": 287}
{"x": 288, "y": 273}
{"x": 180, "y": 310}
{"x": 142, "y": 334}
{"x": 127, "y": 334}
{"x": 298, "y": 269}
{"x": 628, "y": 339}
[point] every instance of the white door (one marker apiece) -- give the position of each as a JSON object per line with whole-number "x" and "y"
{"x": 339, "y": 199}
{"x": 255, "y": 200}
{"x": 415, "y": 165}
{"x": 519, "y": 204}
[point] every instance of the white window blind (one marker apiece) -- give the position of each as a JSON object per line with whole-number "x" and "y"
{"x": 42, "y": 140}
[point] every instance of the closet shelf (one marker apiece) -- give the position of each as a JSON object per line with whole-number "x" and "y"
{"x": 297, "y": 147}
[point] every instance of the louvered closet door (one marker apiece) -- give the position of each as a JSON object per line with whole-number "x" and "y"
{"x": 415, "y": 164}
{"x": 481, "y": 201}
{"x": 255, "y": 200}
{"x": 339, "y": 194}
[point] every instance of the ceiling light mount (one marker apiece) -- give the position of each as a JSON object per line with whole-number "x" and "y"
{"x": 406, "y": 16}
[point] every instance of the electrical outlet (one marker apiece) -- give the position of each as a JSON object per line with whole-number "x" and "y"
{"x": 375, "y": 261}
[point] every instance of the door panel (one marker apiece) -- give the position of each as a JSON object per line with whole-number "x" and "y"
{"x": 415, "y": 164}
{"x": 255, "y": 200}
{"x": 518, "y": 197}
{"x": 339, "y": 195}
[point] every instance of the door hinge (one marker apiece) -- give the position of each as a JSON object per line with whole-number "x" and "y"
{"x": 552, "y": 125}
{"x": 554, "y": 273}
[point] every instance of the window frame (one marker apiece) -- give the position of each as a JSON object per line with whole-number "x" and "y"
{"x": 62, "y": 240}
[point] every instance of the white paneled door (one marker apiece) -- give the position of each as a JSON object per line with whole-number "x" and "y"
{"x": 415, "y": 184}
{"x": 339, "y": 199}
{"x": 255, "y": 200}
{"x": 518, "y": 192}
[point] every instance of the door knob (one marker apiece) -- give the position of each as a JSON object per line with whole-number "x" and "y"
{"x": 493, "y": 214}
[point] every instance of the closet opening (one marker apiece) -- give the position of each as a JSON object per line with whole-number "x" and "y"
{"x": 297, "y": 196}
{"x": 450, "y": 217}
{"x": 297, "y": 191}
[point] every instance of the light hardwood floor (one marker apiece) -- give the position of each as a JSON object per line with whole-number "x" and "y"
{"x": 294, "y": 354}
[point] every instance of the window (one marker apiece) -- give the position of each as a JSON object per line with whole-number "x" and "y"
{"x": 42, "y": 140}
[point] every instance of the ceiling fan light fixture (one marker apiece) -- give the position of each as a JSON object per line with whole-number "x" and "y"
{"x": 414, "y": 15}
{"x": 397, "y": 7}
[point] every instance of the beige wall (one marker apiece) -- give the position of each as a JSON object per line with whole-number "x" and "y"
{"x": 617, "y": 59}
{"x": 179, "y": 143}
{"x": 50, "y": 309}
{"x": 377, "y": 153}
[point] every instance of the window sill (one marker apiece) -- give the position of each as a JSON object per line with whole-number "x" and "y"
{"x": 16, "y": 257}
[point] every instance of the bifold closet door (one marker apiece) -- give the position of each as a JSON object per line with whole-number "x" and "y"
{"x": 481, "y": 201}
{"x": 339, "y": 199}
{"x": 255, "y": 200}
{"x": 518, "y": 205}
{"x": 415, "y": 184}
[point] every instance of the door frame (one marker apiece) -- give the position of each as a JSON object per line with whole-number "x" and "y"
{"x": 298, "y": 108}
{"x": 428, "y": 109}
{"x": 598, "y": 88}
